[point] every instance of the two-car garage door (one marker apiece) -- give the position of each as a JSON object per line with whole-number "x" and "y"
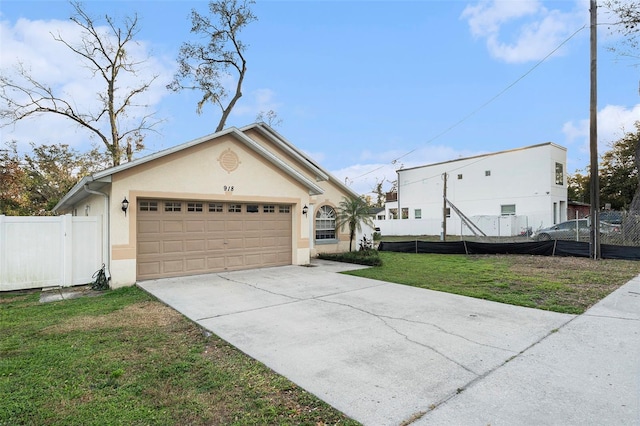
{"x": 177, "y": 238}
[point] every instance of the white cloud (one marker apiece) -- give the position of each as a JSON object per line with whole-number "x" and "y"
{"x": 31, "y": 43}
{"x": 382, "y": 166}
{"x": 261, "y": 100}
{"x": 522, "y": 31}
{"x": 613, "y": 122}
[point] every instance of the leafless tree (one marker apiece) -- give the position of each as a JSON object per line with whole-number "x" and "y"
{"x": 270, "y": 117}
{"x": 106, "y": 55}
{"x": 204, "y": 65}
{"x": 624, "y": 18}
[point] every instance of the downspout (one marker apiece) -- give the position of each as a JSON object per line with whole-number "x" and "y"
{"x": 105, "y": 230}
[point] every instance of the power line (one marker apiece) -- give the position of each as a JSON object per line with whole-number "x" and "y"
{"x": 484, "y": 105}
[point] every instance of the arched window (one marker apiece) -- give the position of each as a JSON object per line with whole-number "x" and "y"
{"x": 326, "y": 223}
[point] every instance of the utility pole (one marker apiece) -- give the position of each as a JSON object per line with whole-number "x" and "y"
{"x": 444, "y": 208}
{"x": 593, "y": 138}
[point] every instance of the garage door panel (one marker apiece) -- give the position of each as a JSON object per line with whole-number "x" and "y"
{"x": 182, "y": 242}
{"x": 253, "y": 260}
{"x": 169, "y": 226}
{"x": 235, "y": 243}
{"x": 234, "y": 261}
{"x": 215, "y": 263}
{"x": 172, "y": 247}
{"x": 215, "y": 225}
{"x": 234, "y": 225}
{"x": 149, "y": 268}
{"x": 195, "y": 226}
{"x": 172, "y": 266}
{"x": 149, "y": 227}
{"x": 215, "y": 244}
{"x": 253, "y": 225}
{"x": 149, "y": 247}
{"x": 252, "y": 243}
{"x": 196, "y": 265}
{"x": 195, "y": 246}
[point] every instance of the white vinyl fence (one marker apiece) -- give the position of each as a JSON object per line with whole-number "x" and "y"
{"x": 40, "y": 252}
{"x": 492, "y": 226}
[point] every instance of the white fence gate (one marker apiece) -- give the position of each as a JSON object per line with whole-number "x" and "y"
{"x": 48, "y": 251}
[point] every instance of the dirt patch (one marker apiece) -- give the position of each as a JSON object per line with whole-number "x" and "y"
{"x": 139, "y": 315}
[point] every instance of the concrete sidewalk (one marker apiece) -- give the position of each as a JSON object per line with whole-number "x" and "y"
{"x": 385, "y": 353}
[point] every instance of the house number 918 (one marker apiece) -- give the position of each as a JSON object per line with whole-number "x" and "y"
{"x": 228, "y": 188}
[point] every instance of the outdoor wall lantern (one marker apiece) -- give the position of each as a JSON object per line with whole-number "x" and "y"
{"x": 305, "y": 209}
{"x": 125, "y": 205}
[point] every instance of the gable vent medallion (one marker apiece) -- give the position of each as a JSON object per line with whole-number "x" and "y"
{"x": 229, "y": 160}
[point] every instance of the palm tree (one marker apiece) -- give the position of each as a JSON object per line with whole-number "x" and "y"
{"x": 353, "y": 211}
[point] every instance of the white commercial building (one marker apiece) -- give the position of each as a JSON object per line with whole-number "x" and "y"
{"x": 502, "y": 193}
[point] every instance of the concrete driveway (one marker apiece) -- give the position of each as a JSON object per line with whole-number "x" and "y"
{"x": 388, "y": 354}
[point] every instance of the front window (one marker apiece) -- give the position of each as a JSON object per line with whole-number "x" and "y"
{"x": 405, "y": 212}
{"x": 326, "y": 223}
{"x": 417, "y": 213}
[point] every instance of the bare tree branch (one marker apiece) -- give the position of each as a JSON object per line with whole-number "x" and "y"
{"x": 104, "y": 53}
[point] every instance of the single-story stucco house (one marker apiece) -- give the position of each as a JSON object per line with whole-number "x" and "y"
{"x": 237, "y": 199}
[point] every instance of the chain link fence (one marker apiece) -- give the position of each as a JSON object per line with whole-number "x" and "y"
{"x": 616, "y": 228}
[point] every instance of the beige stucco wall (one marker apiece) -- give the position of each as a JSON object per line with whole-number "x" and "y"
{"x": 196, "y": 173}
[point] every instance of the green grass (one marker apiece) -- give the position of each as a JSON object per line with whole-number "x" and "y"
{"x": 560, "y": 284}
{"x": 125, "y": 359}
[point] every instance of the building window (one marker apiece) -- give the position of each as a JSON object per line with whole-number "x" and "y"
{"x": 268, "y": 208}
{"x": 252, "y": 208}
{"x": 326, "y": 223}
{"x": 172, "y": 206}
{"x": 148, "y": 206}
{"x": 508, "y": 209}
{"x": 417, "y": 213}
{"x": 460, "y": 176}
{"x": 559, "y": 174}
{"x": 447, "y": 212}
{"x": 393, "y": 213}
{"x": 235, "y": 208}
{"x": 284, "y": 209}
{"x": 215, "y": 207}
{"x": 487, "y": 172}
{"x": 405, "y": 212}
{"x": 194, "y": 207}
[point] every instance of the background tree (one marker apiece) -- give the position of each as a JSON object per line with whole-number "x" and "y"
{"x": 578, "y": 187}
{"x": 379, "y": 193}
{"x": 619, "y": 181}
{"x": 269, "y": 117}
{"x": 33, "y": 184}
{"x": 353, "y": 212}
{"x": 13, "y": 200}
{"x": 625, "y": 19}
{"x": 204, "y": 66}
{"x": 52, "y": 170}
{"x": 106, "y": 55}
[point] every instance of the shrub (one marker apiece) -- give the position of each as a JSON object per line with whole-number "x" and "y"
{"x": 363, "y": 257}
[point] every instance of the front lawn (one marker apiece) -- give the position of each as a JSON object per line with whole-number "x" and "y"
{"x": 560, "y": 284}
{"x": 124, "y": 358}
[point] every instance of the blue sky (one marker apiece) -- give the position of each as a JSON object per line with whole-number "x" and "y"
{"x": 363, "y": 87}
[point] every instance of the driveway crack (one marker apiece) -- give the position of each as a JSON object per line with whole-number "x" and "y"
{"x": 254, "y": 286}
{"x": 384, "y": 318}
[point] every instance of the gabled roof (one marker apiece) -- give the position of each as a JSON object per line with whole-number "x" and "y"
{"x": 100, "y": 179}
{"x": 282, "y": 142}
